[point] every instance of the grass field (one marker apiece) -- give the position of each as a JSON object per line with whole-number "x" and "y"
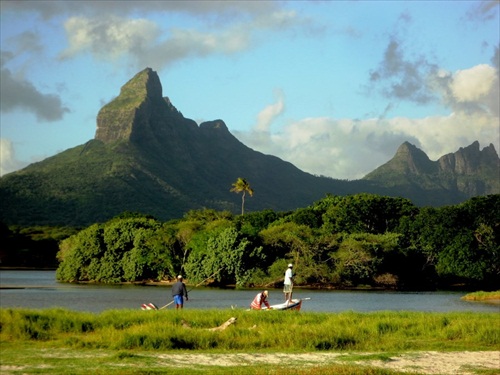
{"x": 58, "y": 341}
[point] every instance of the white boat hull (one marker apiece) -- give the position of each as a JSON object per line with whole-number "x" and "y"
{"x": 294, "y": 304}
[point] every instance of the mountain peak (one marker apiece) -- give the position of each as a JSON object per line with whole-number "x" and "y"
{"x": 410, "y": 159}
{"x": 120, "y": 118}
{"x": 144, "y": 84}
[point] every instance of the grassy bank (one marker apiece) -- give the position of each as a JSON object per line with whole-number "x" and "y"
{"x": 482, "y": 296}
{"x": 132, "y": 342}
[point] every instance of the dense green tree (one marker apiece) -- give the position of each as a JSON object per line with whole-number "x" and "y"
{"x": 459, "y": 259}
{"x": 102, "y": 252}
{"x": 220, "y": 251}
{"x": 294, "y": 243}
{"x": 306, "y": 216}
{"x": 355, "y": 264}
{"x": 78, "y": 252}
{"x": 448, "y": 239}
{"x": 360, "y": 258}
{"x": 366, "y": 213}
{"x": 252, "y": 223}
{"x": 31, "y": 246}
{"x": 362, "y": 239}
{"x": 150, "y": 258}
{"x": 487, "y": 240}
{"x": 207, "y": 215}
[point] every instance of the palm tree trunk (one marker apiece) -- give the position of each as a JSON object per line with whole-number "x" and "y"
{"x": 243, "y": 203}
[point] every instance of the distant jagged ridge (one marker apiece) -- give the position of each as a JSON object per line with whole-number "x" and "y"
{"x": 147, "y": 157}
{"x": 469, "y": 171}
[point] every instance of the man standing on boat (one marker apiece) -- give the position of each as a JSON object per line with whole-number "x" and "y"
{"x": 179, "y": 291}
{"x": 260, "y": 299}
{"x": 288, "y": 284}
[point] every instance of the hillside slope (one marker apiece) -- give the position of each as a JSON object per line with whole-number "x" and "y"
{"x": 147, "y": 157}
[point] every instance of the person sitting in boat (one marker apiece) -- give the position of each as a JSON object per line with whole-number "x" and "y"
{"x": 260, "y": 299}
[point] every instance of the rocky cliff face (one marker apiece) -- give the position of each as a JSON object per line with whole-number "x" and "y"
{"x": 142, "y": 116}
{"x": 140, "y": 113}
{"x": 469, "y": 160}
{"x": 473, "y": 171}
{"x": 121, "y": 118}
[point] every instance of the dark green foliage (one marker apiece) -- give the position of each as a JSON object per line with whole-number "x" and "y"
{"x": 31, "y": 246}
{"x": 222, "y": 252}
{"x": 360, "y": 240}
{"x": 121, "y": 250}
{"x": 337, "y": 343}
{"x": 366, "y": 213}
{"x": 361, "y": 256}
{"x": 458, "y": 243}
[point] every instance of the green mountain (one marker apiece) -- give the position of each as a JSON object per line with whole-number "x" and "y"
{"x": 458, "y": 176}
{"x": 147, "y": 157}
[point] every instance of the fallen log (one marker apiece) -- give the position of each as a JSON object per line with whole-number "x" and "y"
{"x": 223, "y": 326}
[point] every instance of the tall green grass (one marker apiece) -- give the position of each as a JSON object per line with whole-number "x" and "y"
{"x": 58, "y": 341}
{"x": 253, "y": 331}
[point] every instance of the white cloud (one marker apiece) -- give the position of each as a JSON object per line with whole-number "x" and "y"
{"x": 219, "y": 8}
{"x": 8, "y": 161}
{"x": 268, "y": 114}
{"x": 473, "y": 84}
{"x": 349, "y": 149}
{"x": 109, "y": 38}
{"x": 472, "y": 90}
{"x": 149, "y": 44}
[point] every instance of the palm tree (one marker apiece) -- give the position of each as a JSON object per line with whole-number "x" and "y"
{"x": 242, "y": 185}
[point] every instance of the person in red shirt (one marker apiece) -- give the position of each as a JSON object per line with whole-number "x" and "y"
{"x": 260, "y": 299}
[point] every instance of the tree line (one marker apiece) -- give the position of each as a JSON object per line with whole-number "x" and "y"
{"x": 361, "y": 240}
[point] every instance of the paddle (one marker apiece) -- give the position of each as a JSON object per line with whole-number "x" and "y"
{"x": 273, "y": 282}
{"x": 197, "y": 285}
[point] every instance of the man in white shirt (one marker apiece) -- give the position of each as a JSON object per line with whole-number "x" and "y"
{"x": 288, "y": 284}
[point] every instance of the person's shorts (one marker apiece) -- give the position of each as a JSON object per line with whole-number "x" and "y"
{"x": 178, "y": 300}
{"x": 287, "y": 288}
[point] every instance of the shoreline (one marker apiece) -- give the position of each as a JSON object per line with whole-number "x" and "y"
{"x": 470, "y": 297}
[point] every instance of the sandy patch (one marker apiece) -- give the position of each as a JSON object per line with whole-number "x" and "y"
{"x": 428, "y": 362}
{"x": 442, "y": 363}
{"x": 432, "y": 363}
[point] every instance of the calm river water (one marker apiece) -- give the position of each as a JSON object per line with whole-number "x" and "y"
{"x": 39, "y": 290}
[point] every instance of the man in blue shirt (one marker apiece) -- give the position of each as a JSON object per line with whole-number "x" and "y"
{"x": 179, "y": 291}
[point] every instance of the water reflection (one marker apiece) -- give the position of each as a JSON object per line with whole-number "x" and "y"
{"x": 38, "y": 289}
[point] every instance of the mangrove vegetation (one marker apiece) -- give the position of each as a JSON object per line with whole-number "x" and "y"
{"x": 361, "y": 240}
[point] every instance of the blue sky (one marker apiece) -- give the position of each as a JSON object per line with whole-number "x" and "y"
{"x": 334, "y": 87}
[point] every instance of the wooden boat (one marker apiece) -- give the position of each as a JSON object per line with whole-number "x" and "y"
{"x": 294, "y": 304}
